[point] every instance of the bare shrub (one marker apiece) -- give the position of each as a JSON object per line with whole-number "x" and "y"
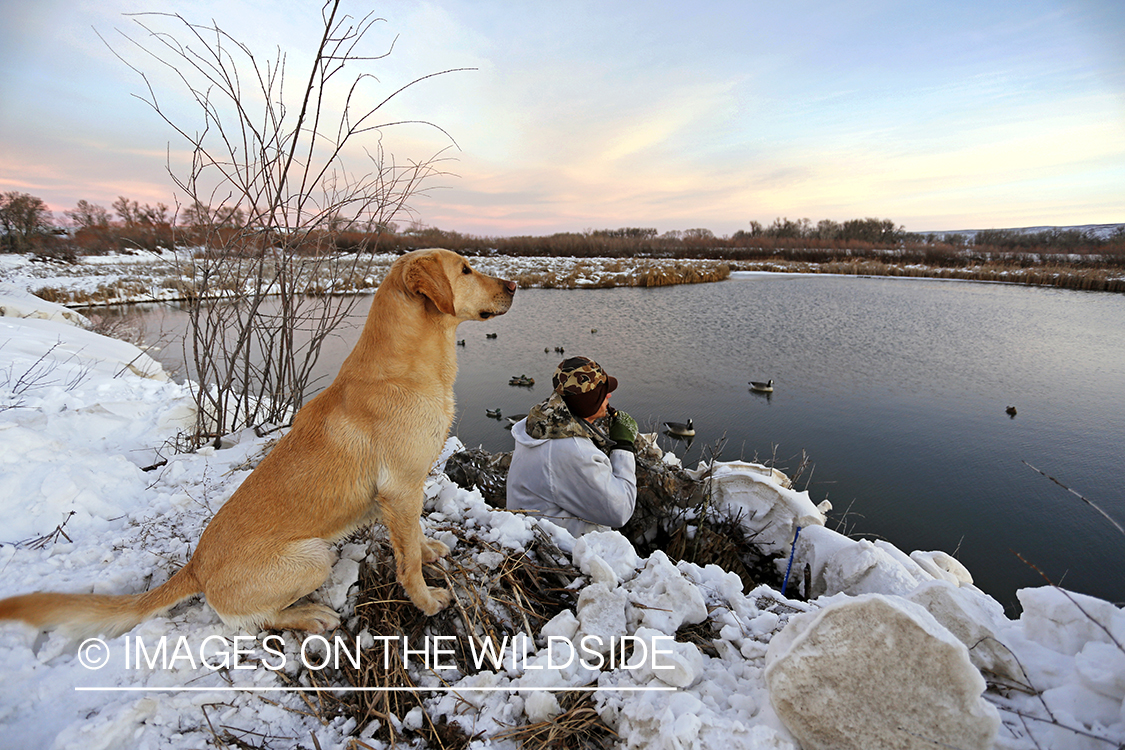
{"x": 273, "y": 205}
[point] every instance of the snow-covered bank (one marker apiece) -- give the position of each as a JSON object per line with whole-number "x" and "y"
{"x": 891, "y": 650}
{"x": 165, "y": 276}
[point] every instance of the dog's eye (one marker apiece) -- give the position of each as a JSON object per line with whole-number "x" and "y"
{"x": 465, "y": 269}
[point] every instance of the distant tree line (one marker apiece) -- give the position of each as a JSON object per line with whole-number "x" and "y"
{"x": 824, "y": 242}
{"x": 26, "y": 225}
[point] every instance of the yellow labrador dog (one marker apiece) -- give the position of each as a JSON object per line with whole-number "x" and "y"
{"x": 358, "y": 452}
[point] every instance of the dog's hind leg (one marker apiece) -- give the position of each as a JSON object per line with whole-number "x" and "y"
{"x": 263, "y": 594}
{"x": 401, "y": 515}
{"x": 314, "y": 618}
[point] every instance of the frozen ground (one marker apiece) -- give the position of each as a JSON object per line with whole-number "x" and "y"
{"x": 893, "y": 650}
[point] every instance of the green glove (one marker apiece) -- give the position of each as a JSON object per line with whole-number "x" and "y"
{"x": 623, "y": 431}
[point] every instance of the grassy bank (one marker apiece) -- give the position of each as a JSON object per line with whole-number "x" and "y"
{"x": 141, "y": 278}
{"x": 80, "y": 282}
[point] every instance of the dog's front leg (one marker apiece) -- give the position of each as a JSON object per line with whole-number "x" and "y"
{"x": 401, "y": 514}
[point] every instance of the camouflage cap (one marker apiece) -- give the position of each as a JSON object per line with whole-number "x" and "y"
{"x": 583, "y": 384}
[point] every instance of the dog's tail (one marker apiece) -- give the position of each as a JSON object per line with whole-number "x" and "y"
{"x": 98, "y": 614}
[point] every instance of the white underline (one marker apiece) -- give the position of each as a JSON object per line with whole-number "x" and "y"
{"x": 361, "y": 689}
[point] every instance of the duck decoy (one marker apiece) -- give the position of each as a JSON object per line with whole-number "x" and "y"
{"x": 560, "y": 350}
{"x": 593, "y": 330}
{"x": 681, "y": 429}
{"x": 1011, "y": 411}
{"x": 522, "y": 380}
{"x": 766, "y": 387}
{"x": 494, "y": 413}
{"x": 460, "y": 342}
{"x": 546, "y": 350}
{"x": 490, "y": 335}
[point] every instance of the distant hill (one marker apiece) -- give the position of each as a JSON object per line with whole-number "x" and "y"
{"x": 1102, "y": 231}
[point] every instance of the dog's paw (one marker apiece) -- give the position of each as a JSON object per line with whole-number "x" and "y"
{"x": 438, "y": 600}
{"x": 313, "y": 618}
{"x": 323, "y": 619}
{"x": 432, "y": 550}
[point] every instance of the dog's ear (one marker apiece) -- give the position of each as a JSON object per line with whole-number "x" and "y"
{"x": 426, "y": 276}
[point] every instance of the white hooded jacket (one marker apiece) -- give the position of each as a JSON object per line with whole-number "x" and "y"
{"x": 569, "y": 481}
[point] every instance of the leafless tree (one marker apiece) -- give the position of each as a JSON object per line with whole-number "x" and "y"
{"x": 87, "y": 215}
{"x": 268, "y": 193}
{"x": 23, "y": 219}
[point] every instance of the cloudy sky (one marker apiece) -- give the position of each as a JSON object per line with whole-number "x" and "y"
{"x": 673, "y": 115}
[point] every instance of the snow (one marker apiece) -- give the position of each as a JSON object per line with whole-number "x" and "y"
{"x": 163, "y": 275}
{"x": 82, "y": 417}
{"x": 834, "y": 675}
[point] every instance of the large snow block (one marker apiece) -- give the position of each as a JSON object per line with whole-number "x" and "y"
{"x": 877, "y": 672}
{"x": 977, "y": 620}
{"x": 943, "y": 567}
{"x": 857, "y": 566}
{"x": 758, "y": 496}
{"x": 1065, "y": 621}
{"x": 606, "y": 556}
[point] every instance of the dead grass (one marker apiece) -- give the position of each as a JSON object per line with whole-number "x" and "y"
{"x": 607, "y": 273}
{"x": 520, "y": 592}
{"x": 578, "y": 726}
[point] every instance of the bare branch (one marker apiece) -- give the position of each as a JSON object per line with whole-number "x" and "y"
{"x": 1079, "y": 496}
{"x": 268, "y": 190}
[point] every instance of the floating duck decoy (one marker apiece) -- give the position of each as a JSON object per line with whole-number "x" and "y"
{"x": 766, "y": 387}
{"x": 494, "y": 413}
{"x": 593, "y": 330}
{"x": 522, "y": 380}
{"x": 1011, "y": 410}
{"x": 560, "y": 350}
{"x": 546, "y": 350}
{"x": 681, "y": 429}
{"x": 461, "y": 342}
{"x": 490, "y": 335}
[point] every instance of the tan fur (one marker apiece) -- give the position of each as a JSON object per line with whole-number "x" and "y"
{"x": 358, "y": 452}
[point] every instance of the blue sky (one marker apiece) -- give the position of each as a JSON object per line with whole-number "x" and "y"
{"x": 580, "y": 115}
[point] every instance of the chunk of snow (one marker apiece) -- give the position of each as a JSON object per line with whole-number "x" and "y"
{"x": 562, "y": 626}
{"x": 943, "y": 566}
{"x": 664, "y": 599}
{"x": 767, "y": 508}
{"x": 865, "y": 568}
{"x": 1065, "y": 621}
{"x": 601, "y": 617}
{"x": 606, "y": 556}
{"x": 877, "y": 671}
{"x": 977, "y": 620}
{"x": 541, "y": 705}
{"x": 673, "y": 663}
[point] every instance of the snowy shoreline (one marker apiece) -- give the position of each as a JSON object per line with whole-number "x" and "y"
{"x": 115, "y": 279}
{"x": 82, "y": 415}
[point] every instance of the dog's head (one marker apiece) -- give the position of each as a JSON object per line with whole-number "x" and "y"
{"x": 447, "y": 282}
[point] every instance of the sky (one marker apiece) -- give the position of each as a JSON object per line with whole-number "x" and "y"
{"x": 565, "y": 117}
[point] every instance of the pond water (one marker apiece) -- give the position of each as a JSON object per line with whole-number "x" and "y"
{"x": 895, "y": 389}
